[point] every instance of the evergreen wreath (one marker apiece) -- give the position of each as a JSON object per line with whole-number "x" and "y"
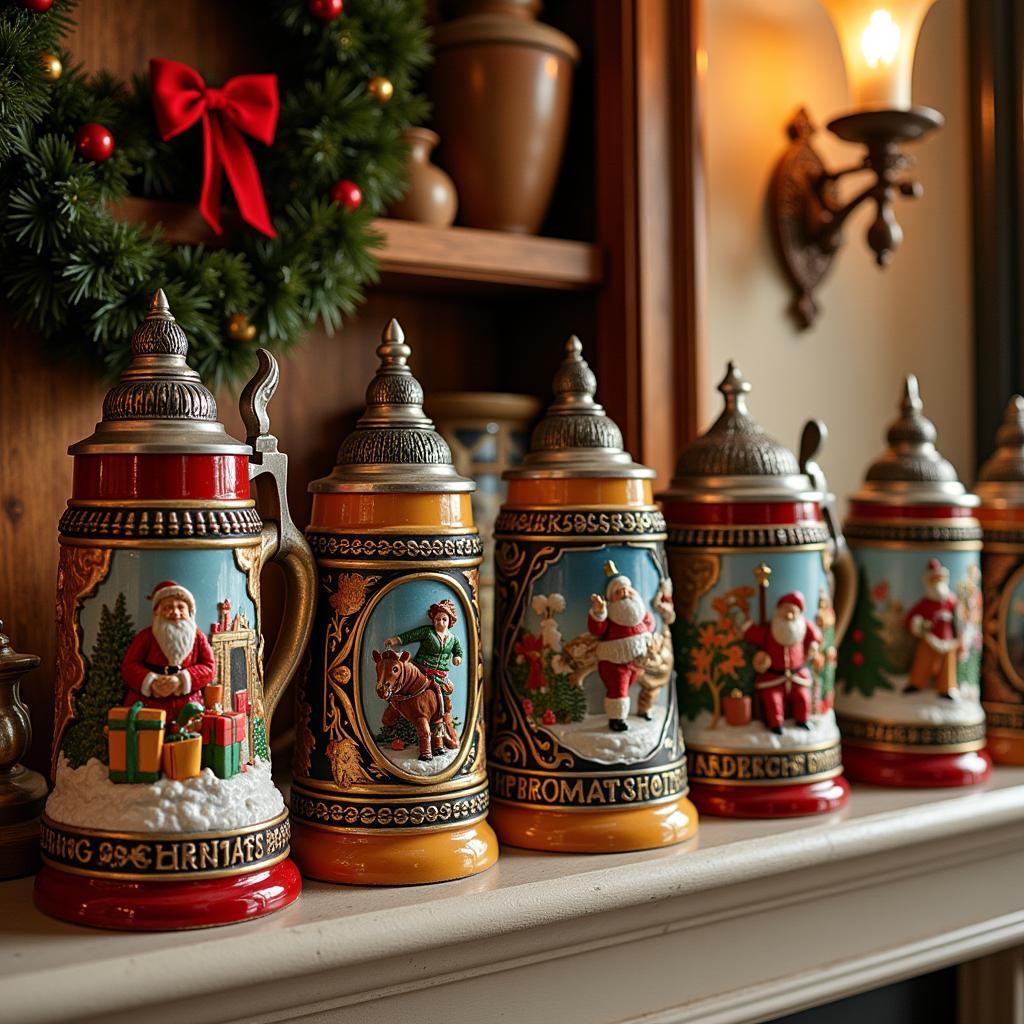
{"x": 82, "y": 278}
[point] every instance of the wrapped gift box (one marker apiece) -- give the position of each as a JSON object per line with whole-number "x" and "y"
{"x": 135, "y": 740}
{"x": 183, "y": 755}
{"x": 222, "y": 734}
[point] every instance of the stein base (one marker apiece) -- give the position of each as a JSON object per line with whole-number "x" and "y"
{"x": 899, "y": 768}
{"x": 165, "y": 906}
{"x": 796, "y": 801}
{"x": 1005, "y": 749}
{"x": 607, "y": 831}
{"x": 352, "y": 858}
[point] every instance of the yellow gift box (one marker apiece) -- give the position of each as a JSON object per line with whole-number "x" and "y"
{"x": 182, "y": 755}
{"x": 135, "y": 740}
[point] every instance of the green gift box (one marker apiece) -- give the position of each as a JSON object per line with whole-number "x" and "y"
{"x": 223, "y": 733}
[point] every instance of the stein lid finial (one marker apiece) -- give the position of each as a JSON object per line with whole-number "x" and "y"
{"x": 912, "y": 467}
{"x": 1006, "y": 464}
{"x": 11, "y": 662}
{"x": 160, "y": 405}
{"x": 394, "y": 446}
{"x": 576, "y": 437}
{"x": 736, "y": 458}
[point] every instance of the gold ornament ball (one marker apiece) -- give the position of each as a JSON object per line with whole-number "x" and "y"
{"x": 52, "y": 67}
{"x": 381, "y": 89}
{"x": 239, "y": 328}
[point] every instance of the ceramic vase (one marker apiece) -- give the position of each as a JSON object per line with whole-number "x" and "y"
{"x": 430, "y": 197}
{"x": 501, "y": 85}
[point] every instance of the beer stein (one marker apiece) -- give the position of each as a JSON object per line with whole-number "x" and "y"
{"x": 908, "y": 694}
{"x": 163, "y": 813}
{"x": 585, "y": 750}
{"x": 757, "y": 562}
{"x": 1000, "y": 489}
{"x": 390, "y": 785}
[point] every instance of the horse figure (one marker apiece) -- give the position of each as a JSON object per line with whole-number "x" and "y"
{"x": 418, "y": 699}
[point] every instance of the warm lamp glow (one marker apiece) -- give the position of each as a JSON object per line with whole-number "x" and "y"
{"x": 879, "y": 38}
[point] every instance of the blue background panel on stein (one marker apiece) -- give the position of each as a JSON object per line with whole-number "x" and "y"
{"x": 399, "y": 609}
{"x": 718, "y": 702}
{"x": 879, "y": 650}
{"x": 553, "y": 669}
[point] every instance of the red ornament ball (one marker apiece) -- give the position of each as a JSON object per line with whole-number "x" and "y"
{"x": 37, "y": 6}
{"x": 857, "y": 658}
{"x": 858, "y": 636}
{"x": 549, "y": 717}
{"x": 94, "y": 142}
{"x": 325, "y": 10}
{"x": 348, "y": 193}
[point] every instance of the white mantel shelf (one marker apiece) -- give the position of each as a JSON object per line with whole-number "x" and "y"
{"x": 751, "y": 920}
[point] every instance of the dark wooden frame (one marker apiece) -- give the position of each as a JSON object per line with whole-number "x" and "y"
{"x": 996, "y": 39}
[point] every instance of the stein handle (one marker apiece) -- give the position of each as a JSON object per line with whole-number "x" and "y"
{"x": 844, "y": 571}
{"x": 282, "y": 541}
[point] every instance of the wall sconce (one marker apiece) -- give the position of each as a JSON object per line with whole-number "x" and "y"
{"x": 878, "y": 40}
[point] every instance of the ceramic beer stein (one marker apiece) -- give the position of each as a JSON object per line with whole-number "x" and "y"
{"x": 908, "y": 694}
{"x": 1000, "y": 488}
{"x": 585, "y": 750}
{"x": 757, "y": 564}
{"x": 157, "y": 820}
{"x": 390, "y": 786}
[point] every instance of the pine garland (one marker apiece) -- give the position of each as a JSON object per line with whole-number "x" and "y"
{"x": 82, "y": 278}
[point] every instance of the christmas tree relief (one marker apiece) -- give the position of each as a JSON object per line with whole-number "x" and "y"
{"x": 876, "y": 634}
{"x": 102, "y": 689}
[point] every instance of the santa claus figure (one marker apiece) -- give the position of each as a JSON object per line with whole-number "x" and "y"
{"x": 933, "y": 621}
{"x": 171, "y": 659}
{"x": 623, "y": 627}
{"x": 786, "y": 647}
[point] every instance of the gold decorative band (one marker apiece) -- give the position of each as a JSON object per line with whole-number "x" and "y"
{"x": 348, "y": 814}
{"x": 912, "y": 737}
{"x": 764, "y": 768}
{"x": 1004, "y": 717}
{"x": 149, "y": 857}
{"x": 565, "y": 791}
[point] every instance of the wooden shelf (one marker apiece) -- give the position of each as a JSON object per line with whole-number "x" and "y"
{"x": 751, "y": 920}
{"x": 416, "y": 252}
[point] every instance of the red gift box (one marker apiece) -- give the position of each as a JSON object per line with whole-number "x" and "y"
{"x": 240, "y": 699}
{"x": 224, "y": 728}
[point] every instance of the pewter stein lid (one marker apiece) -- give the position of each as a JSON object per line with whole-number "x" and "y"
{"x": 1001, "y": 477}
{"x": 576, "y": 437}
{"x": 160, "y": 406}
{"x": 912, "y": 470}
{"x": 394, "y": 446}
{"x": 735, "y": 460}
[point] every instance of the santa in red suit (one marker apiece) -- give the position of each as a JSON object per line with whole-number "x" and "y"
{"x": 933, "y": 621}
{"x": 170, "y": 661}
{"x": 623, "y": 627}
{"x": 786, "y": 645}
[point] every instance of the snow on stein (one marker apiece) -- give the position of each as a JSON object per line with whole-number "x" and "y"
{"x": 585, "y": 751}
{"x": 163, "y": 813}
{"x": 756, "y": 562}
{"x": 389, "y": 784}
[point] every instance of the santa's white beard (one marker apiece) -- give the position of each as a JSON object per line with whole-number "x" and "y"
{"x": 176, "y": 639}
{"x": 788, "y": 631}
{"x": 627, "y": 611}
{"x": 937, "y": 591}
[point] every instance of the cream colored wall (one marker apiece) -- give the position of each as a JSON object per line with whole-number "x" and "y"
{"x": 765, "y": 59}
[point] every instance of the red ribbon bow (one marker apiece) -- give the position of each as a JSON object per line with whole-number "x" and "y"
{"x": 247, "y": 104}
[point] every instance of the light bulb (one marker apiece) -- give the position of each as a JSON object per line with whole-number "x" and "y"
{"x": 881, "y": 39}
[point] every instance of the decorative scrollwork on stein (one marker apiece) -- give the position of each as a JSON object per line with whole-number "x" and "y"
{"x": 582, "y": 523}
